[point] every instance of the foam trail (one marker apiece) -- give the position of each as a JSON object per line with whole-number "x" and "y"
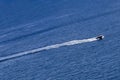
{"x": 69, "y": 43}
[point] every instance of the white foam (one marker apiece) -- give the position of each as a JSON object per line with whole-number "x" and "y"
{"x": 69, "y": 43}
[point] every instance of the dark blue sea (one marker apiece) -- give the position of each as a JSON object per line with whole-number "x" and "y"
{"x": 26, "y": 25}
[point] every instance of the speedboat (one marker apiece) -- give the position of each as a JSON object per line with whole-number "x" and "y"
{"x": 100, "y": 37}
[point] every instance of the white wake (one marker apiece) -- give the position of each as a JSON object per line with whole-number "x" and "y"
{"x": 69, "y": 43}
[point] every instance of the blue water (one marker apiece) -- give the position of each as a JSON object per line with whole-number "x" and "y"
{"x": 30, "y": 24}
